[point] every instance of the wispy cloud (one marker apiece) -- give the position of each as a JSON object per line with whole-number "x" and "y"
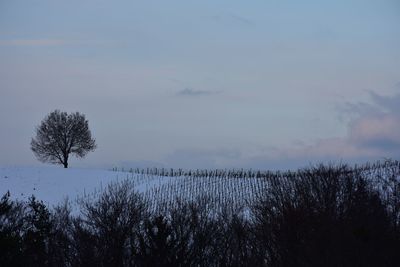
{"x": 242, "y": 19}
{"x": 203, "y": 158}
{"x": 231, "y": 19}
{"x": 380, "y": 132}
{"x": 48, "y": 42}
{"x": 373, "y": 133}
{"x": 32, "y": 42}
{"x": 193, "y": 92}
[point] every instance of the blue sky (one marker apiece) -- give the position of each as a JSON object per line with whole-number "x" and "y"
{"x": 205, "y": 84}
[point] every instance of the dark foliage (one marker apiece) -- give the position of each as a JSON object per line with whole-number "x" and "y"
{"x": 61, "y": 134}
{"x": 11, "y": 229}
{"x": 185, "y": 236}
{"x": 327, "y": 216}
{"x": 25, "y": 233}
{"x": 323, "y": 216}
{"x": 109, "y": 223}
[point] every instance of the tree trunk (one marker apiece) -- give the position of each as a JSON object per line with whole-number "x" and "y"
{"x": 65, "y": 161}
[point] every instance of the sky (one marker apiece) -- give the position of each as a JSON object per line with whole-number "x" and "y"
{"x": 205, "y": 84}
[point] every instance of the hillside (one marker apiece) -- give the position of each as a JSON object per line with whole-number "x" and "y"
{"x": 54, "y": 184}
{"x": 299, "y": 219}
{"x": 160, "y": 188}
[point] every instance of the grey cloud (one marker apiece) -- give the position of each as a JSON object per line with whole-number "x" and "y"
{"x": 379, "y": 104}
{"x": 324, "y": 151}
{"x": 32, "y": 42}
{"x": 389, "y": 103}
{"x": 356, "y": 109}
{"x": 51, "y": 42}
{"x": 383, "y": 144}
{"x": 192, "y": 92}
{"x": 231, "y": 19}
{"x": 191, "y": 159}
{"x": 140, "y": 164}
{"x": 374, "y": 128}
{"x": 378, "y": 124}
{"x": 203, "y": 158}
{"x": 241, "y": 19}
{"x": 369, "y": 137}
{"x": 380, "y": 132}
{"x": 373, "y": 133}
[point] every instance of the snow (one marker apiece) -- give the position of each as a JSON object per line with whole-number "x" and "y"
{"x": 53, "y": 185}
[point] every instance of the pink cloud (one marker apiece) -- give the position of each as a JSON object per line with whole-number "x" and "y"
{"x": 374, "y": 133}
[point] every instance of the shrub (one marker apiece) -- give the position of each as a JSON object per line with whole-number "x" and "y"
{"x": 325, "y": 216}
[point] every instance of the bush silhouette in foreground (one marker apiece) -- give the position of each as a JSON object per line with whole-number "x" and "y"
{"x": 327, "y": 216}
{"x": 323, "y": 216}
{"x": 61, "y": 134}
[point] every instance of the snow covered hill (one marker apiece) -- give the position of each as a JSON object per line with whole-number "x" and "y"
{"x": 53, "y": 185}
{"x": 159, "y": 188}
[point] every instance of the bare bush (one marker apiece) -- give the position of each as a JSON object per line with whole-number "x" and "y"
{"x": 109, "y": 224}
{"x": 325, "y": 216}
{"x": 322, "y": 216}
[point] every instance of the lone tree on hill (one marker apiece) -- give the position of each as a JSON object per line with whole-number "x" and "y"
{"x": 61, "y": 134}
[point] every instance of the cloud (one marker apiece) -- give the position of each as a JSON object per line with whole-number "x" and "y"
{"x": 32, "y": 42}
{"x": 141, "y": 164}
{"x": 379, "y": 104}
{"x": 380, "y": 132}
{"x": 231, "y": 19}
{"x": 241, "y": 19}
{"x": 192, "y": 92}
{"x": 48, "y": 42}
{"x": 203, "y": 158}
{"x": 376, "y": 127}
{"x": 373, "y": 133}
{"x": 386, "y": 103}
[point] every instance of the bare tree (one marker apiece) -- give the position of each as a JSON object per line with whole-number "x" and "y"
{"x": 61, "y": 134}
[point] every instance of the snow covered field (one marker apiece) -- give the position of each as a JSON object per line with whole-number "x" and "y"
{"x": 53, "y": 185}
